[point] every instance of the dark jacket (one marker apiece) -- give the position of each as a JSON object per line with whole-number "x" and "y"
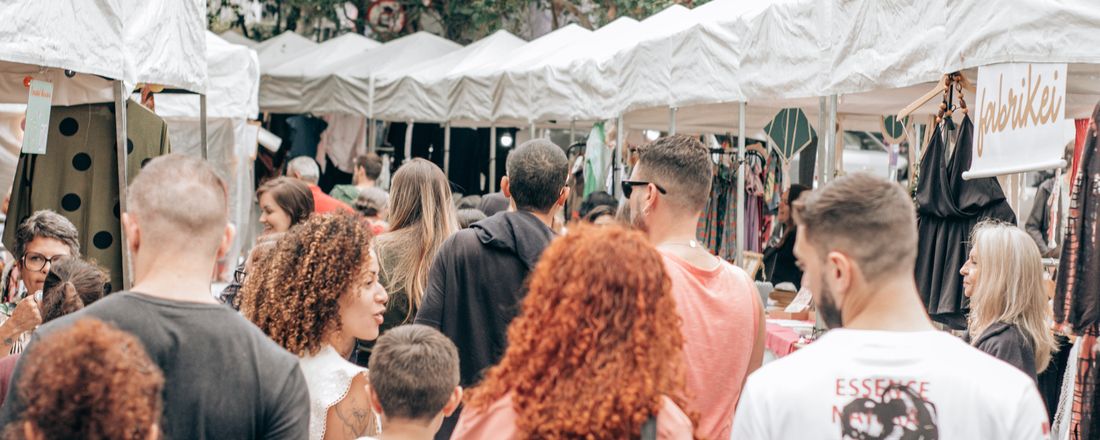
{"x": 780, "y": 264}
{"x": 475, "y": 288}
{"x": 1038, "y": 222}
{"x": 1007, "y": 343}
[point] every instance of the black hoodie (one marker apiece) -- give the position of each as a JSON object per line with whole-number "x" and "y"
{"x": 476, "y": 285}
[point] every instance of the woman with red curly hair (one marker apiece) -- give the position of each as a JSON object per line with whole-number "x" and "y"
{"x": 315, "y": 295}
{"x": 595, "y": 352}
{"x": 89, "y": 381}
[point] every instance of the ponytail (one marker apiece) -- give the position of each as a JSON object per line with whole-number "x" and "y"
{"x": 72, "y": 301}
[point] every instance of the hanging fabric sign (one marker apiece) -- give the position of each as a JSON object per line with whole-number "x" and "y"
{"x": 790, "y": 131}
{"x": 38, "y": 117}
{"x": 1019, "y": 119}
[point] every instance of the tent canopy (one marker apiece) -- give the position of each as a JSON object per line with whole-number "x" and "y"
{"x": 282, "y": 48}
{"x": 154, "y": 41}
{"x": 233, "y": 85}
{"x": 282, "y": 88}
{"x": 348, "y": 90}
{"x": 236, "y": 38}
{"x": 421, "y": 92}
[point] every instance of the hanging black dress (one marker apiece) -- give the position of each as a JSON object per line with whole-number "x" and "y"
{"x": 948, "y": 208}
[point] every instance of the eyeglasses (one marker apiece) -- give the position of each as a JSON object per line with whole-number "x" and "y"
{"x": 238, "y": 276}
{"x": 36, "y": 262}
{"x": 628, "y": 187}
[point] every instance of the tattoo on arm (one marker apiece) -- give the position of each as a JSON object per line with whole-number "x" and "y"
{"x": 355, "y": 417}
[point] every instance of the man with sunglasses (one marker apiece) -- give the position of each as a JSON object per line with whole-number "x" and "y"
{"x": 723, "y": 320}
{"x": 43, "y": 239}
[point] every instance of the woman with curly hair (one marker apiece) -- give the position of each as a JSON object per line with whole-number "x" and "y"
{"x": 315, "y": 295}
{"x": 89, "y": 381}
{"x": 595, "y": 352}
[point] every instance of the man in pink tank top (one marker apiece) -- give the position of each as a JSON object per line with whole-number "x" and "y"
{"x": 723, "y": 324}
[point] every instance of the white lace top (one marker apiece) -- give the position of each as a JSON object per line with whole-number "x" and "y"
{"x": 328, "y": 377}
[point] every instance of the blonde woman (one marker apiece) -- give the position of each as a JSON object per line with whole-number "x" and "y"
{"x": 421, "y": 217}
{"x": 1009, "y": 314}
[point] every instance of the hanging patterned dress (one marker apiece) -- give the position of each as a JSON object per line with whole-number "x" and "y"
{"x": 78, "y": 175}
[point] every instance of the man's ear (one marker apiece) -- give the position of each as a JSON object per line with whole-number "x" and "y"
{"x": 132, "y": 229}
{"x": 506, "y": 187}
{"x": 453, "y": 402}
{"x": 227, "y": 240}
{"x": 375, "y": 404}
{"x": 842, "y": 273}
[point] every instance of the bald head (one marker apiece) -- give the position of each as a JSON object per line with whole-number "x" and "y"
{"x": 179, "y": 199}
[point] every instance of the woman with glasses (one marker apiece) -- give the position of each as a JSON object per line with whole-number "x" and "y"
{"x": 41, "y": 241}
{"x": 71, "y": 285}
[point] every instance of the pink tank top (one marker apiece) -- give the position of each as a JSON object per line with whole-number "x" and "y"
{"x": 720, "y": 312}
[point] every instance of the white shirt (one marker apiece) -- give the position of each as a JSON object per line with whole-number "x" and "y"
{"x": 328, "y": 377}
{"x": 928, "y": 382}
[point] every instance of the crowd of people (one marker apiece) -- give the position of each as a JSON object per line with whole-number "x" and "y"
{"x": 419, "y": 314}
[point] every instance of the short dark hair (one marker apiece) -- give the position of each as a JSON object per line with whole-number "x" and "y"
{"x": 870, "y": 219}
{"x": 292, "y": 195}
{"x": 413, "y": 370}
{"x": 469, "y": 216}
{"x": 596, "y": 200}
{"x": 371, "y": 164}
{"x": 45, "y": 224}
{"x": 682, "y": 166}
{"x": 536, "y": 174}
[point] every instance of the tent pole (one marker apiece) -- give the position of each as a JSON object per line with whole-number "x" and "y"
{"x": 617, "y": 159}
{"x": 672, "y": 120}
{"x": 822, "y": 146}
{"x": 740, "y": 182}
{"x": 372, "y": 142}
{"x": 532, "y": 128}
{"x": 492, "y": 158}
{"x": 408, "y": 141}
{"x": 447, "y": 149}
{"x": 830, "y": 138}
{"x": 202, "y": 127}
{"x": 572, "y": 131}
{"x": 123, "y": 179}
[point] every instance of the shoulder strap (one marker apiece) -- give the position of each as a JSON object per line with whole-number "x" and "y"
{"x": 649, "y": 429}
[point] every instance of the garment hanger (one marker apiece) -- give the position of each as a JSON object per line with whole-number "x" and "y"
{"x": 952, "y": 87}
{"x": 940, "y": 88}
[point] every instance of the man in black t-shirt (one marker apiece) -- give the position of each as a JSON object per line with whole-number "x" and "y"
{"x": 223, "y": 377}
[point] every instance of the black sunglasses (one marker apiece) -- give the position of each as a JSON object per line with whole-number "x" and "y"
{"x": 628, "y": 187}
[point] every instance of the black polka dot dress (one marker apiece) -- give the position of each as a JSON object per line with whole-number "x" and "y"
{"x": 78, "y": 175}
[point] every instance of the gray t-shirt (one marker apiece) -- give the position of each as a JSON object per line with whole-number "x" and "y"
{"x": 223, "y": 377}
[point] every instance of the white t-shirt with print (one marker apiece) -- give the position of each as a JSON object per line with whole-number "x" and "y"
{"x": 859, "y": 384}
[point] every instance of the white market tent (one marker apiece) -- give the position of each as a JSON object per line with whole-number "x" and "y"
{"x": 108, "y": 47}
{"x": 348, "y": 89}
{"x": 420, "y": 92}
{"x": 233, "y": 88}
{"x": 476, "y": 92}
{"x": 282, "y": 48}
{"x": 236, "y": 38}
{"x": 282, "y": 87}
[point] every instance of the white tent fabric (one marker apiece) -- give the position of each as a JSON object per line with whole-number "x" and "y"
{"x": 166, "y": 42}
{"x": 879, "y": 56}
{"x": 493, "y": 92}
{"x": 232, "y": 86}
{"x": 282, "y": 48}
{"x": 349, "y": 89}
{"x": 11, "y": 141}
{"x": 282, "y": 87}
{"x": 421, "y": 92}
{"x": 155, "y": 41}
{"x": 236, "y": 38}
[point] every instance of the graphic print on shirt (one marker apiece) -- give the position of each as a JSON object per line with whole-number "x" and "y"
{"x": 885, "y": 409}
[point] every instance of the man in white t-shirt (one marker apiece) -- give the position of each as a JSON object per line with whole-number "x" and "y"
{"x": 884, "y": 372}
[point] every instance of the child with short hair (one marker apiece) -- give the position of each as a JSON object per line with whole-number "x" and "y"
{"x": 414, "y": 378}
